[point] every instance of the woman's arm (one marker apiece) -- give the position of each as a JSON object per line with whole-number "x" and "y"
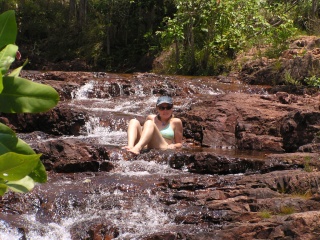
{"x": 178, "y": 132}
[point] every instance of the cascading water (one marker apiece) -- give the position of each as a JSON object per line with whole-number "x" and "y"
{"x": 123, "y": 197}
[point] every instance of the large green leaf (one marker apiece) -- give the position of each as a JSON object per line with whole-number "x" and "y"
{"x": 7, "y": 56}
{"x": 8, "y": 28}
{"x": 6, "y": 130}
{"x": 23, "y": 148}
{"x": 15, "y": 166}
{"x": 3, "y": 188}
{"x": 1, "y": 85}
{"x": 16, "y": 72}
{"x": 21, "y": 95}
{"x": 23, "y": 185}
{"x": 8, "y": 139}
{"x": 10, "y": 143}
{"x": 39, "y": 174}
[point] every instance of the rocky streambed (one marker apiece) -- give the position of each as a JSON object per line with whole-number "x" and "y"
{"x": 248, "y": 168}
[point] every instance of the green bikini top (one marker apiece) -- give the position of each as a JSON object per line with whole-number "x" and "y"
{"x": 167, "y": 132}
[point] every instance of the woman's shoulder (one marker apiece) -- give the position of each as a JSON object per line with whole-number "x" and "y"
{"x": 176, "y": 120}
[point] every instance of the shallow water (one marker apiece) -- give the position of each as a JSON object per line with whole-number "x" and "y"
{"x": 124, "y": 197}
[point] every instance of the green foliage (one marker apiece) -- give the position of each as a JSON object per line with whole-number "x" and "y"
{"x": 8, "y": 28}
{"x": 108, "y": 35}
{"x": 281, "y": 27}
{"x": 307, "y": 16}
{"x": 26, "y": 96}
{"x": 20, "y": 166}
{"x": 206, "y": 34}
{"x": 289, "y": 80}
{"x": 313, "y": 81}
{"x": 202, "y": 36}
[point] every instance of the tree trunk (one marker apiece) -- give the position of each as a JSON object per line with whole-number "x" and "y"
{"x": 83, "y": 12}
{"x": 314, "y": 8}
{"x": 177, "y": 54}
{"x": 72, "y": 9}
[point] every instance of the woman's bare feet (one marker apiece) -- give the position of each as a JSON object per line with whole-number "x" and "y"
{"x": 134, "y": 150}
{"x": 126, "y": 148}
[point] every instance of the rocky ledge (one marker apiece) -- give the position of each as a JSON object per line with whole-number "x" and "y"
{"x": 272, "y": 193}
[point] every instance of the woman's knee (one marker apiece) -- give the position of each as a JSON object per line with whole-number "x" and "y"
{"x": 134, "y": 122}
{"x": 148, "y": 123}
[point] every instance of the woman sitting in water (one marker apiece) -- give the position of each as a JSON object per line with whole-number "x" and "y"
{"x": 161, "y": 131}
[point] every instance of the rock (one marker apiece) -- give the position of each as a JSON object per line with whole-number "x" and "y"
{"x": 206, "y": 190}
{"x": 97, "y": 229}
{"x": 299, "y": 128}
{"x": 58, "y": 121}
{"x": 73, "y": 155}
{"x": 295, "y": 64}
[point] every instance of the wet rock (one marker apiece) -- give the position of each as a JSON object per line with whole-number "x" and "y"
{"x": 96, "y": 229}
{"x": 14, "y": 221}
{"x": 218, "y": 121}
{"x": 296, "y": 64}
{"x": 311, "y": 147}
{"x": 285, "y": 98}
{"x": 214, "y": 164}
{"x": 286, "y": 205}
{"x": 58, "y": 121}
{"x": 256, "y": 123}
{"x": 72, "y": 155}
{"x": 206, "y": 190}
{"x": 299, "y": 128}
{"x": 161, "y": 236}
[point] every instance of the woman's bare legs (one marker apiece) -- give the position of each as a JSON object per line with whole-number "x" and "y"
{"x": 134, "y": 133}
{"x": 150, "y": 136}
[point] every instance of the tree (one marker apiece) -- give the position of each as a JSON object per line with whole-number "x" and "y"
{"x": 206, "y": 34}
{"x": 20, "y": 166}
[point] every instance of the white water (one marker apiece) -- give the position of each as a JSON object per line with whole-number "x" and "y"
{"x": 147, "y": 214}
{"x": 104, "y": 134}
{"x": 144, "y": 217}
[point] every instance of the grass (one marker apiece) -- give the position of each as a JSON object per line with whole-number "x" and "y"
{"x": 286, "y": 210}
{"x": 306, "y": 164}
{"x": 265, "y": 214}
{"x": 306, "y": 195}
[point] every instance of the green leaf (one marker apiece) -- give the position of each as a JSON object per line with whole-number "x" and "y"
{"x": 23, "y": 185}
{"x": 39, "y": 174}
{"x": 23, "y": 148}
{"x": 8, "y": 28}
{"x": 1, "y": 85}
{"x": 8, "y": 139}
{"x": 15, "y": 166}
{"x": 7, "y": 56}
{"x": 21, "y": 95}
{"x": 6, "y": 130}
{"x": 16, "y": 72}
{"x": 3, "y": 189}
{"x": 10, "y": 143}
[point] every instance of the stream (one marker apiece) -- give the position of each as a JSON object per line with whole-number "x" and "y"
{"x": 130, "y": 201}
